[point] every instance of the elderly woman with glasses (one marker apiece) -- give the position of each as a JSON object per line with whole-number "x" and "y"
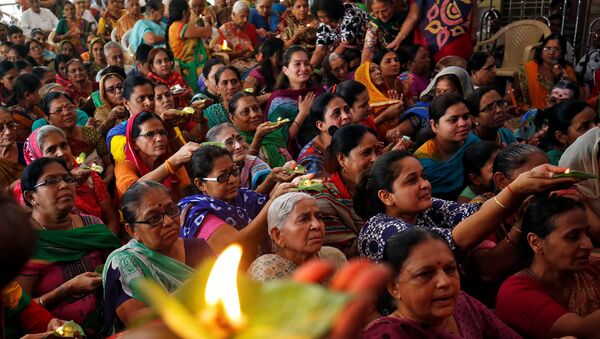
{"x": 222, "y": 213}
{"x": 297, "y": 231}
{"x": 148, "y": 157}
{"x": 61, "y": 274}
{"x": 61, "y": 112}
{"x": 255, "y": 173}
{"x": 155, "y": 251}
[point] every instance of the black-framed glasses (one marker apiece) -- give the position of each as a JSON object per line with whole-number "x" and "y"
{"x": 230, "y": 142}
{"x": 223, "y": 177}
{"x": 153, "y": 134}
{"x": 492, "y": 106}
{"x": 158, "y": 218}
{"x": 67, "y": 178}
{"x": 11, "y": 125}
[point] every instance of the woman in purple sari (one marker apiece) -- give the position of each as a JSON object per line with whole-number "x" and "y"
{"x": 426, "y": 294}
{"x": 222, "y": 213}
{"x": 293, "y": 96}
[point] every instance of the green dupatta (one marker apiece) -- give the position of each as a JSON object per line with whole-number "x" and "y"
{"x": 270, "y": 146}
{"x": 71, "y": 245}
{"x": 135, "y": 261}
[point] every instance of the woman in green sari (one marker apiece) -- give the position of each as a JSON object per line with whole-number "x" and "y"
{"x": 185, "y": 41}
{"x": 61, "y": 274}
{"x": 155, "y": 252}
{"x": 228, "y": 84}
{"x": 267, "y": 140}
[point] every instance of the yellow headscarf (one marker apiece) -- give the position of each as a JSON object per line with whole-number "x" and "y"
{"x": 363, "y": 76}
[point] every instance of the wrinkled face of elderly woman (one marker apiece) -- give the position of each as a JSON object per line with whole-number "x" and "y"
{"x": 302, "y": 232}
{"x": 240, "y": 18}
{"x": 157, "y": 221}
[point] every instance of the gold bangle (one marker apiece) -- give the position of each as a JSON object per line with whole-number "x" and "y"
{"x": 517, "y": 229}
{"x": 41, "y": 302}
{"x": 499, "y": 203}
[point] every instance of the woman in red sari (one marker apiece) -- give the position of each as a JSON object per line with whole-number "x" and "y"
{"x": 160, "y": 62}
{"x": 241, "y": 38}
{"x": 80, "y": 86}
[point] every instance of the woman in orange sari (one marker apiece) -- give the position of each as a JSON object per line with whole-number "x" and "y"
{"x": 386, "y": 103}
{"x": 185, "y": 41}
{"x": 539, "y": 75}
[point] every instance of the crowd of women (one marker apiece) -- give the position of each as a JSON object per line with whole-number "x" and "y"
{"x": 140, "y": 142}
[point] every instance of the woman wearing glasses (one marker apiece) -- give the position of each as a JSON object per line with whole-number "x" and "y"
{"x": 482, "y": 68}
{"x": 536, "y": 78}
{"x": 61, "y": 112}
{"x": 11, "y": 155}
{"x": 222, "y": 213}
{"x": 61, "y": 274}
{"x": 255, "y": 174}
{"x": 155, "y": 251}
{"x": 112, "y": 111}
{"x": 488, "y": 116}
{"x": 147, "y": 156}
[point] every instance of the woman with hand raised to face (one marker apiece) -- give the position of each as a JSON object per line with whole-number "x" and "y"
{"x": 293, "y": 95}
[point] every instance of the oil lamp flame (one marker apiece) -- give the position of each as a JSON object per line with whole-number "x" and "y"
{"x": 222, "y": 285}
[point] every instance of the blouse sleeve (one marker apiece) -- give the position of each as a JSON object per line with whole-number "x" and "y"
{"x": 209, "y": 225}
{"x": 351, "y": 25}
{"x": 62, "y": 27}
{"x": 371, "y": 38}
{"x": 448, "y": 214}
{"x": 325, "y": 35}
{"x": 524, "y": 305}
{"x": 126, "y": 174}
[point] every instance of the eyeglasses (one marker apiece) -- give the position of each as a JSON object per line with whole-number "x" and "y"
{"x": 157, "y": 219}
{"x": 225, "y": 176}
{"x": 230, "y": 142}
{"x": 67, "y": 109}
{"x": 552, "y": 49}
{"x": 11, "y": 125}
{"x": 113, "y": 89}
{"x": 67, "y": 178}
{"x": 494, "y": 106}
{"x": 153, "y": 134}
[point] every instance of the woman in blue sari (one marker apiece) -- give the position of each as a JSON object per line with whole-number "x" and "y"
{"x": 150, "y": 31}
{"x": 441, "y": 156}
{"x": 222, "y": 213}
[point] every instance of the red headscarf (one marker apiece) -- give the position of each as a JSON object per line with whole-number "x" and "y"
{"x": 132, "y": 156}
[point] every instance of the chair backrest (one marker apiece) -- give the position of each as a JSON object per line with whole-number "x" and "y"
{"x": 517, "y": 36}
